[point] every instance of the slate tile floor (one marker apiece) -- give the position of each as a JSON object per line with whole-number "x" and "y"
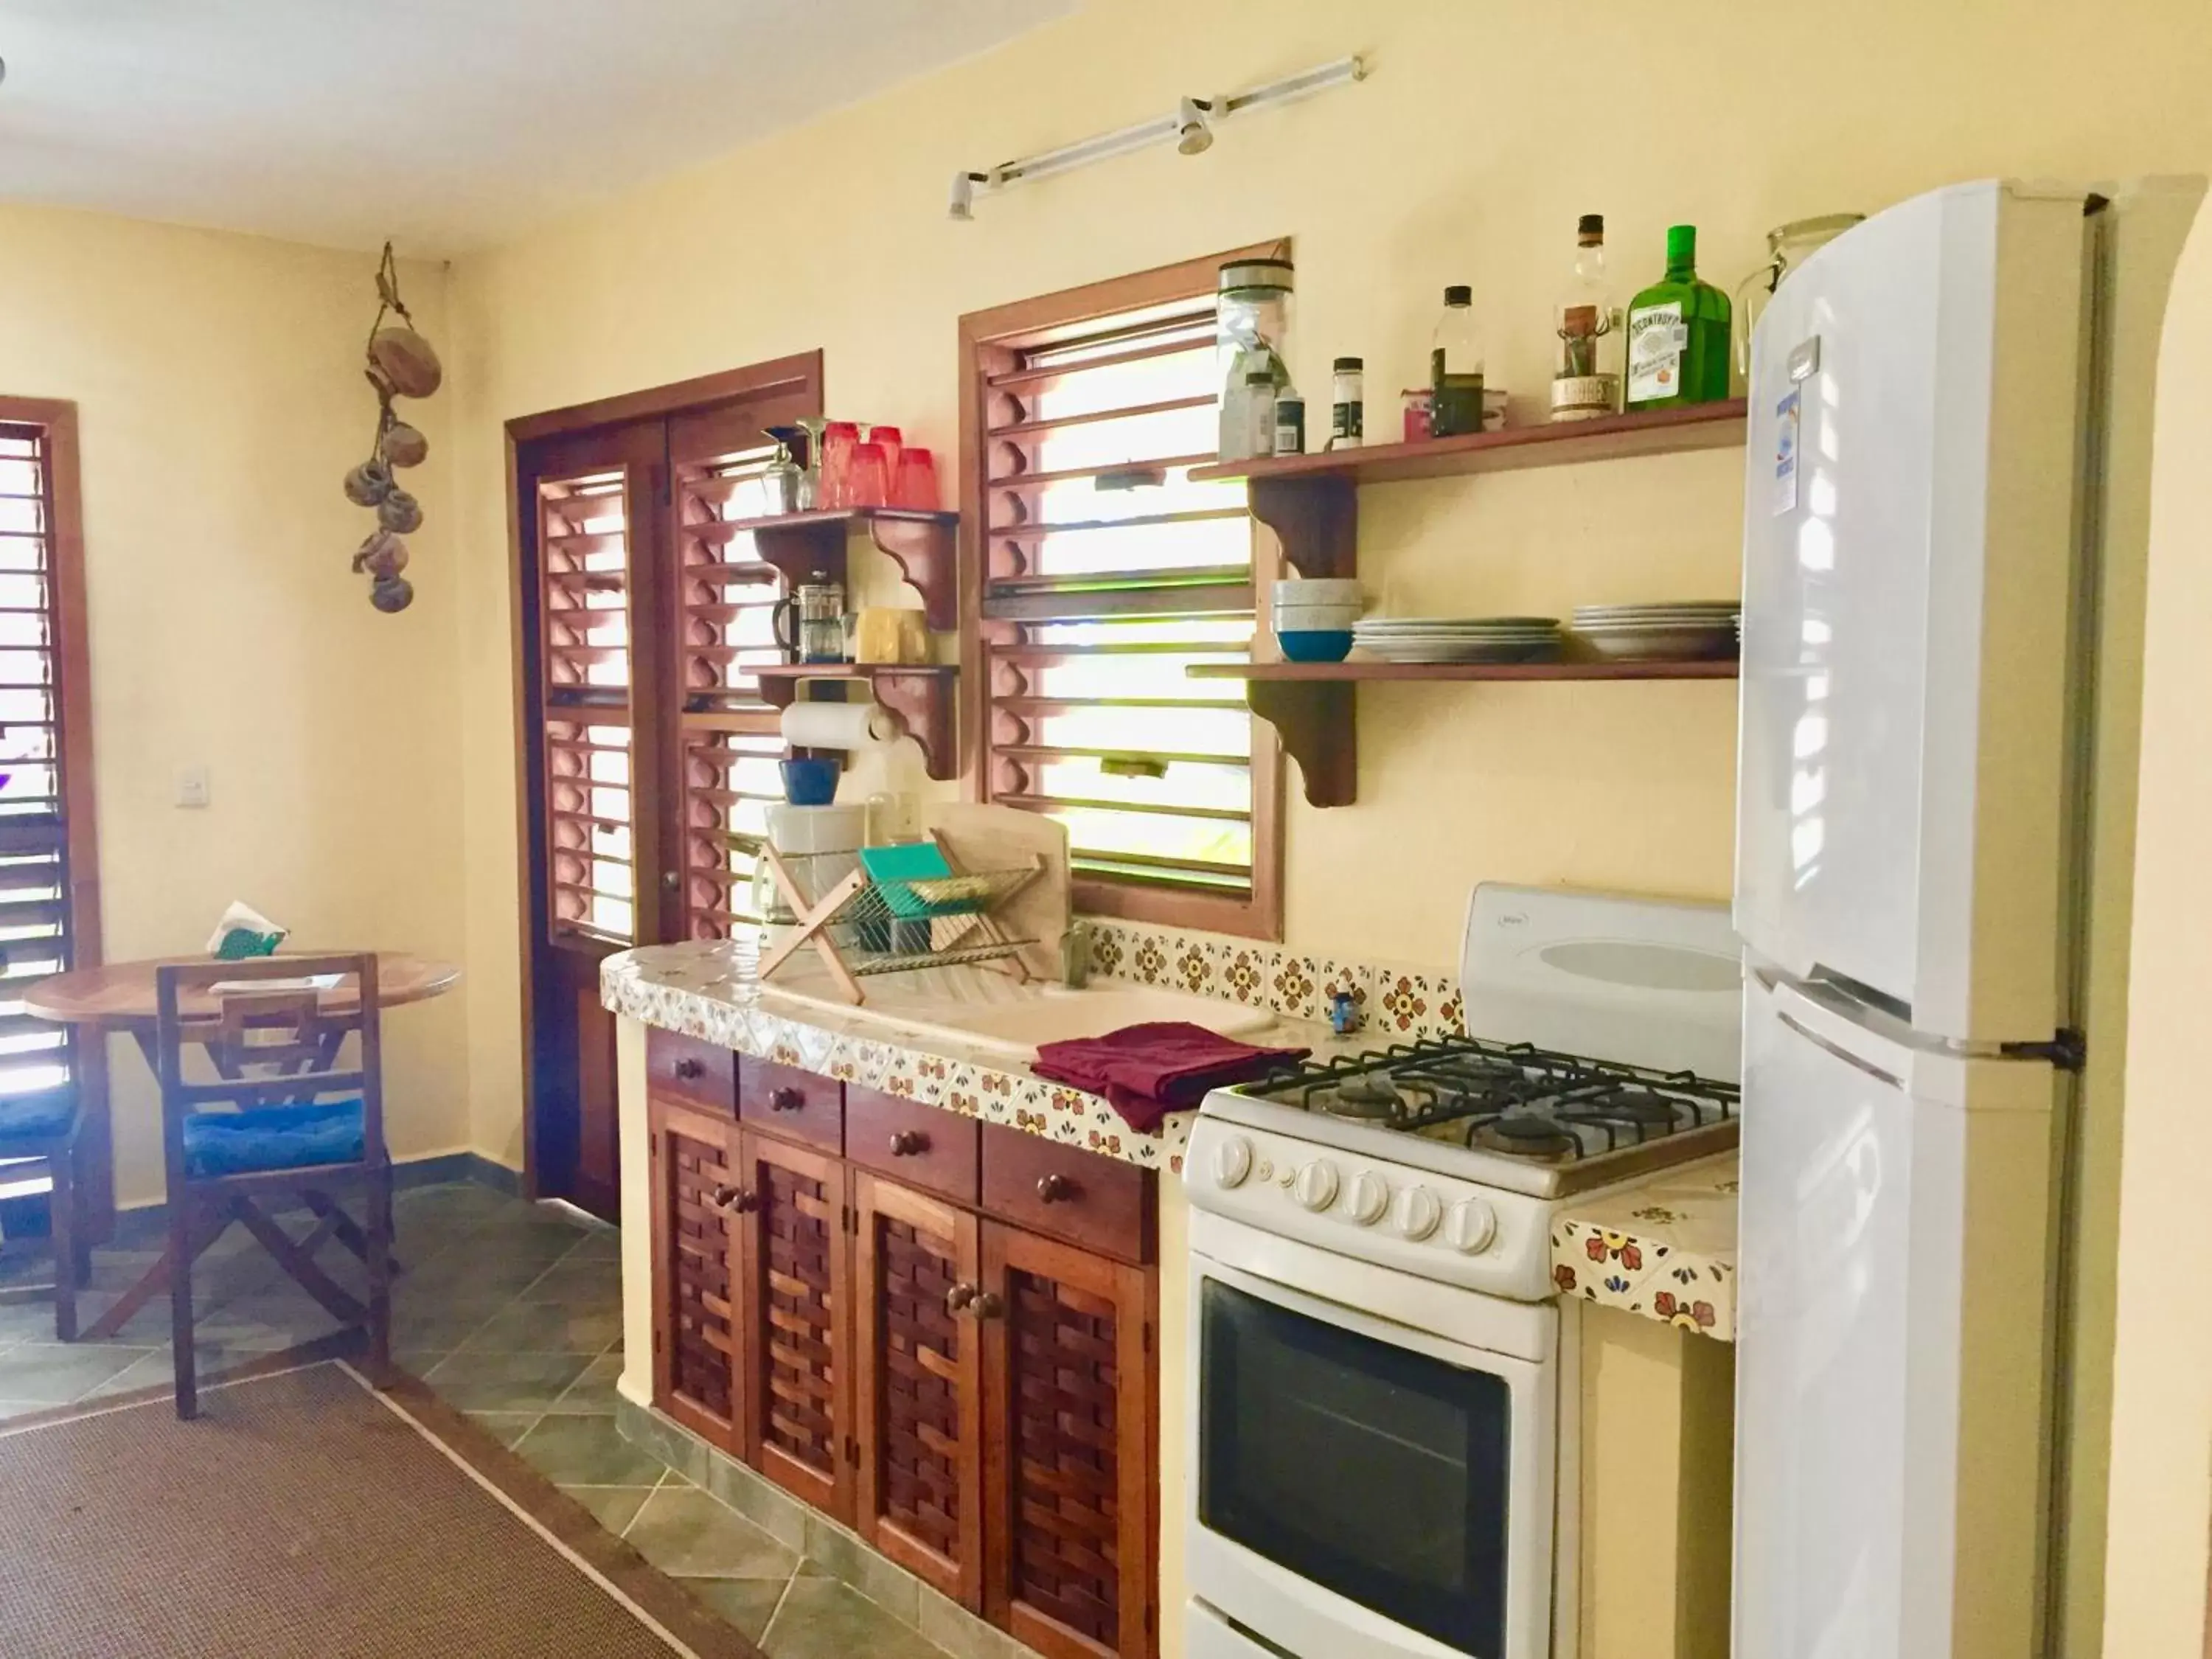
{"x": 513, "y": 1315}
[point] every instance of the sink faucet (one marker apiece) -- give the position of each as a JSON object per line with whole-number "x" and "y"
{"x": 1075, "y": 955}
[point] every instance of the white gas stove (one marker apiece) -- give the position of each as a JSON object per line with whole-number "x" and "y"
{"x": 1371, "y": 1291}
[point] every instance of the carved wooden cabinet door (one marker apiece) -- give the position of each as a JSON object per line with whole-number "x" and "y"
{"x": 797, "y": 1275}
{"x": 917, "y": 1373}
{"x": 697, "y": 1192}
{"x": 1071, "y": 1466}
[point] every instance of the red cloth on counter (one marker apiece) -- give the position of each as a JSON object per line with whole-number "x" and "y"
{"x": 1146, "y": 1072}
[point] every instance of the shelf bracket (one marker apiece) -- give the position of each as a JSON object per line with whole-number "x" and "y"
{"x": 1316, "y": 518}
{"x": 923, "y": 550}
{"x": 1315, "y": 721}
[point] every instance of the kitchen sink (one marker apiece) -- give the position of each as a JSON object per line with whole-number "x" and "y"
{"x": 1002, "y": 1017}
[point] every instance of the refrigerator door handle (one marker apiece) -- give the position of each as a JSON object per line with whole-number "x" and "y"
{"x": 1888, "y": 1078}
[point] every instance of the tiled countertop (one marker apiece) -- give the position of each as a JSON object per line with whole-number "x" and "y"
{"x": 1665, "y": 1249}
{"x": 688, "y": 987}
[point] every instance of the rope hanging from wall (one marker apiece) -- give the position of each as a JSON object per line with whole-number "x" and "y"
{"x": 401, "y": 364}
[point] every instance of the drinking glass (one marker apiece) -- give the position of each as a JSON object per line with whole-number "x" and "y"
{"x": 839, "y": 440}
{"x": 868, "y": 481}
{"x": 916, "y": 483}
{"x": 892, "y": 441}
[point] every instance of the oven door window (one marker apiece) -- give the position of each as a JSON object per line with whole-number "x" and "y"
{"x": 1368, "y": 1470}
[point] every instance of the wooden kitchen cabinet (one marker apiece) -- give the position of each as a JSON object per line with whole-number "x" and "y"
{"x": 1071, "y": 1448}
{"x": 793, "y": 1311}
{"x": 694, "y": 1160}
{"x": 918, "y": 1352}
{"x": 974, "y": 1392}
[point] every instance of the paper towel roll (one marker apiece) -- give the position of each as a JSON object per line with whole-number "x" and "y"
{"x": 838, "y": 725}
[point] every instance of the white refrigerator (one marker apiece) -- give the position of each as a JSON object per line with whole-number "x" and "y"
{"x": 1923, "y": 518}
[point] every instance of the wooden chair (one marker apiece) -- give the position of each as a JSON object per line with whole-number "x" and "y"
{"x": 39, "y": 1138}
{"x": 298, "y": 1124}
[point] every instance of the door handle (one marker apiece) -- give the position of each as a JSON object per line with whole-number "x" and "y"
{"x": 909, "y": 1143}
{"x": 959, "y": 1296}
{"x": 785, "y": 1100}
{"x": 672, "y": 879}
{"x": 688, "y": 1068}
{"x": 1055, "y": 1189}
{"x": 987, "y": 1305}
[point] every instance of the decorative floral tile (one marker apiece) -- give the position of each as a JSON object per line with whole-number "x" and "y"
{"x": 1413, "y": 1003}
{"x": 1294, "y": 987}
{"x": 1665, "y": 1249}
{"x": 1242, "y": 970}
{"x": 1110, "y": 950}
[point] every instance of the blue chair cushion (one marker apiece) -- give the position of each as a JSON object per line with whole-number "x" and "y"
{"x": 265, "y": 1138}
{"x": 32, "y": 1120}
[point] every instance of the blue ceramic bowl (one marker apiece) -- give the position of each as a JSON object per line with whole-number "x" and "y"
{"x": 814, "y": 783}
{"x": 1301, "y": 645}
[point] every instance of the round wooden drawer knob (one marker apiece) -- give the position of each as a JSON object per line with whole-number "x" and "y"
{"x": 959, "y": 1296}
{"x": 987, "y": 1305}
{"x": 785, "y": 1100}
{"x": 1055, "y": 1189}
{"x": 690, "y": 1069}
{"x": 909, "y": 1143}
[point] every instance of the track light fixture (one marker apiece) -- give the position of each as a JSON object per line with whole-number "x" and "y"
{"x": 1194, "y": 131}
{"x": 1191, "y": 129}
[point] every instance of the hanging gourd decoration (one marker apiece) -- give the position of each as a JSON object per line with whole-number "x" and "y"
{"x": 401, "y": 364}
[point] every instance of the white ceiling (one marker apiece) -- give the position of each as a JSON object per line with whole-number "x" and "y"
{"x": 444, "y": 123}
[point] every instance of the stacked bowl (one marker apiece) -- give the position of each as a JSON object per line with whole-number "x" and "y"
{"x": 1313, "y": 618}
{"x": 1688, "y": 631}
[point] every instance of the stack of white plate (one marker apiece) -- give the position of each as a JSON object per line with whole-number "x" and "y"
{"x": 1458, "y": 639}
{"x": 1688, "y": 632}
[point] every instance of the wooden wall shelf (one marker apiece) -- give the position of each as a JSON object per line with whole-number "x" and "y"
{"x": 1312, "y": 705}
{"x": 921, "y": 694}
{"x": 921, "y": 545}
{"x": 1312, "y": 501}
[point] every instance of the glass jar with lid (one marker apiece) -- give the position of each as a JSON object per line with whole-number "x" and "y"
{"x": 1253, "y": 337}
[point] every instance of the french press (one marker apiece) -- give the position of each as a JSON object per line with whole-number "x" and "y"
{"x": 815, "y": 613}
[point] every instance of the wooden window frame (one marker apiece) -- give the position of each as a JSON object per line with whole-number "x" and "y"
{"x": 56, "y": 419}
{"x": 1028, "y": 323}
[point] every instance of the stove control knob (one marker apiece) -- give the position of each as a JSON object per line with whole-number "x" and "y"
{"x": 1369, "y": 1198}
{"x": 1316, "y": 1187}
{"x": 1418, "y": 1212}
{"x": 1232, "y": 1161}
{"x": 1470, "y": 1226}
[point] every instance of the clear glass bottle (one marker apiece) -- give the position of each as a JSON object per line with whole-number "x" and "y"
{"x": 1347, "y": 405}
{"x": 1455, "y": 367}
{"x": 1678, "y": 333}
{"x": 1586, "y": 376}
{"x": 1252, "y": 336}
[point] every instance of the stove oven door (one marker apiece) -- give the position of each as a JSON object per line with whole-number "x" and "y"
{"x": 1362, "y": 1488}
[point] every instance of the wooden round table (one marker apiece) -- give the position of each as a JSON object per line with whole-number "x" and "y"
{"x": 120, "y": 997}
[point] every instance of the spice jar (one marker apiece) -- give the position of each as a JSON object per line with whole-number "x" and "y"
{"x": 1347, "y": 414}
{"x": 1416, "y": 401}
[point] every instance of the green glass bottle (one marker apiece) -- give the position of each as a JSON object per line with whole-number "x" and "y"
{"x": 1678, "y": 334}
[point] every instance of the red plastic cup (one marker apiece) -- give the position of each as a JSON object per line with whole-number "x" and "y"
{"x": 839, "y": 439}
{"x": 892, "y": 443}
{"x": 870, "y": 480}
{"x": 915, "y": 485}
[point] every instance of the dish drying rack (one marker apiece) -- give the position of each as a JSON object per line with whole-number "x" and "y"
{"x": 860, "y": 925}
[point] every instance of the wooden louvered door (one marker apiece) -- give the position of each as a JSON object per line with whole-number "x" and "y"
{"x": 797, "y": 1322}
{"x": 49, "y": 867}
{"x": 609, "y": 601}
{"x": 696, "y": 1373}
{"x": 917, "y": 1395}
{"x": 1071, "y": 1454}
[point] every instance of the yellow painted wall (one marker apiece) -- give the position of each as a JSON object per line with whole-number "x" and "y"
{"x": 2160, "y": 1495}
{"x": 1484, "y": 131}
{"x": 218, "y": 385}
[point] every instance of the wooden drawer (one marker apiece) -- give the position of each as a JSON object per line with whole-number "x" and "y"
{"x": 690, "y": 1069}
{"x": 1097, "y": 1203}
{"x": 915, "y": 1145}
{"x": 786, "y": 1100}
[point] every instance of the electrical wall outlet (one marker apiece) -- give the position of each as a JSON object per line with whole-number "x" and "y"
{"x": 193, "y": 786}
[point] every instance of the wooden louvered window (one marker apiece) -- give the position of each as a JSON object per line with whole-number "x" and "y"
{"x": 49, "y": 874}
{"x": 1104, "y": 572}
{"x": 732, "y": 738}
{"x": 589, "y": 732}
